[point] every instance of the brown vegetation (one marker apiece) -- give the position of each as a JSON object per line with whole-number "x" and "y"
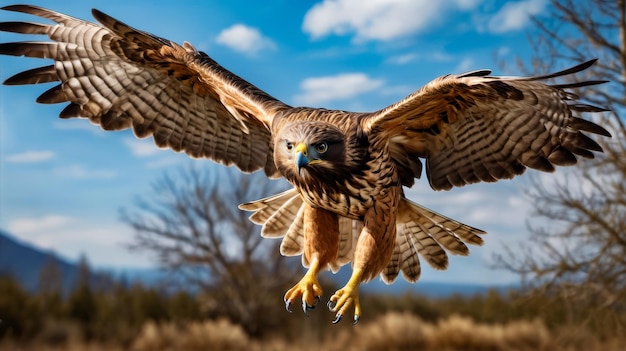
{"x": 139, "y": 318}
{"x": 392, "y": 331}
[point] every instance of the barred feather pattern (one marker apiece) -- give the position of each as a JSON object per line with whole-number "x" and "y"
{"x": 120, "y": 78}
{"x": 474, "y": 127}
{"x": 423, "y": 232}
{"x": 281, "y": 216}
{"x": 420, "y": 232}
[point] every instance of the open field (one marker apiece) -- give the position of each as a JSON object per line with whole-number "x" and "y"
{"x": 392, "y": 331}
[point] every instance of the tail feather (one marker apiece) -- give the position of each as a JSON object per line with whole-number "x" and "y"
{"x": 283, "y": 218}
{"x": 265, "y": 208}
{"x": 349, "y": 231}
{"x": 423, "y": 241}
{"x": 391, "y": 271}
{"x": 419, "y": 232}
{"x": 439, "y": 229}
{"x": 293, "y": 240}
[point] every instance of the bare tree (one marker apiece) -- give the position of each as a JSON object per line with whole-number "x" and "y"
{"x": 191, "y": 223}
{"x": 577, "y": 252}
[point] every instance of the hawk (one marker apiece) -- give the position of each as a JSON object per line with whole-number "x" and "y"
{"x": 347, "y": 169}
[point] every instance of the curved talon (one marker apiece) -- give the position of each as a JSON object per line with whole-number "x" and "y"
{"x": 307, "y": 289}
{"x": 346, "y": 298}
{"x": 306, "y": 307}
{"x": 337, "y": 318}
{"x": 312, "y": 307}
{"x": 288, "y": 305}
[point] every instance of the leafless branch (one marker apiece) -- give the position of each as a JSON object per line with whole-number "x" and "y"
{"x": 577, "y": 248}
{"x": 190, "y": 222}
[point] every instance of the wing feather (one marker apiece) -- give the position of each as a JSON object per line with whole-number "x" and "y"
{"x": 475, "y": 127}
{"x": 120, "y": 77}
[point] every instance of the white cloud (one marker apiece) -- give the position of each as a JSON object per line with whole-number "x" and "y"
{"x": 439, "y": 56}
{"x": 42, "y": 224}
{"x": 503, "y": 51}
{"x": 434, "y": 56}
{"x": 377, "y": 19}
{"x": 515, "y": 15}
{"x": 81, "y": 124}
{"x": 80, "y": 172}
{"x": 342, "y": 86}
{"x": 402, "y": 59}
{"x": 465, "y": 65}
{"x": 31, "y": 156}
{"x": 71, "y": 237}
{"x": 142, "y": 147}
{"x": 245, "y": 39}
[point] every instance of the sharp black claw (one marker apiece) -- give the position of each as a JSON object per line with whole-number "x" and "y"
{"x": 312, "y": 307}
{"x": 357, "y": 318}
{"x": 288, "y": 305}
{"x": 331, "y": 305}
{"x": 337, "y": 319}
{"x": 306, "y": 307}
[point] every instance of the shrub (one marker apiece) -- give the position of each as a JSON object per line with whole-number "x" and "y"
{"x": 404, "y": 331}
{"x": 462, "y": 333}
{"x": 207, "y": 335}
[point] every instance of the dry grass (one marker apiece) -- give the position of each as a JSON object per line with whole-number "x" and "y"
{"x": 208, "y": 335}
{"x": 403, "y": 331}
{"x": 462, "y": 333}
{"x": 70, "y": 346}
{"x": 391, "y": 332}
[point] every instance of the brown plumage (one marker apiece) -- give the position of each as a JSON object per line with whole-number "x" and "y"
{"x": 347, "y": 169}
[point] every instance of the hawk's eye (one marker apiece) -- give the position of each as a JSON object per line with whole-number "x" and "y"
{"x": 289, "y": 145}
{"x": 321, "y": 147}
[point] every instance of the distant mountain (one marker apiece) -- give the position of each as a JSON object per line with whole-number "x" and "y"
{"x": 25, "y": 262}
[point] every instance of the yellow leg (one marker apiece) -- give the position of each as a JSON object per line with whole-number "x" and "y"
{"x": 347, "y": 296}
{"x": 308, "y": 288}
{"x": 373, "y": 250}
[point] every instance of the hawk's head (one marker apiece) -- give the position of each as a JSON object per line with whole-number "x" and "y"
{"x": 310, "y": 149}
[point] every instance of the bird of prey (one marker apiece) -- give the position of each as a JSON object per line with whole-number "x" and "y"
{"x": 347, "y": 169}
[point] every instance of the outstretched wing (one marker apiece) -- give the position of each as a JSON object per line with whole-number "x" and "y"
{"x": 474, "y": 127}
{"x": 120, "y": 77}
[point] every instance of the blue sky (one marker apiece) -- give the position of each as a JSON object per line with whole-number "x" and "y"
{"x": 62, "y": 182}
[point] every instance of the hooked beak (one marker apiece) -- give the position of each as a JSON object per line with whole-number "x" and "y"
{"x": 301, "y": 156}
